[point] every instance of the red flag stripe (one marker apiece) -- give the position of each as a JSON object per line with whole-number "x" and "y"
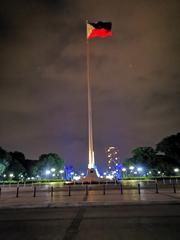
{"x": 99, "y": 33}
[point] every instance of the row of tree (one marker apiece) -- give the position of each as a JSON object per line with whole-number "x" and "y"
{"x": 164, "y": 158}
{"x": 14, "y": 165}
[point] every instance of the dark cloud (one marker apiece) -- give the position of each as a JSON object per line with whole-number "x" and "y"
{"x": 135, "y": 76}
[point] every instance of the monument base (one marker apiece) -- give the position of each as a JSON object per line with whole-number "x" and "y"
{"x": 91, "y": 177}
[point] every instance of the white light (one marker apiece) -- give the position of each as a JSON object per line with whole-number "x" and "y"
{"x": 176, "y": 170}
{"x": 11, "y": 175}
{"x": 109, "y": 177}
{"x": 53, "y": 174}
{"x": 124, "y": 169}
{"x": 47, "y": 172}
{"x": 150, "y": 172}
{"x": 72, "y": 173}
{"x": 131, "y": 167}
{"x": 4, "y": 175}
{"x": 104, "y": 173}
{"x": 61, "y": 171}
{"x": 159, "y": 172}
{"x": 135, "y": 172}
{"x": 82, "y": 174}
{"x": 139, "y": 169}
{"x": 116, "y": 164}
{"x": 76, "y": 178}
{"x": 53, "y": 169}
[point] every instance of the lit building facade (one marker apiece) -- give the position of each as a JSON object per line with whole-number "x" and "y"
{"x": 113, "y": 159}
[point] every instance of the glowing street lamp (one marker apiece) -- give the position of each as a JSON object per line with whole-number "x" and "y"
{"x": 139, "y": 169}
{"x": 176, "y": 170}
{"x": 124, "y": 169}
{"x": 11, "y": 175}
{"x": 47, "y": 172}
{"x": 131, "y": 167}
{"x": 53, "y": 169}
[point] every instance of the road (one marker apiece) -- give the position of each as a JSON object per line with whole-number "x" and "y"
{"x": 141, "y": 222}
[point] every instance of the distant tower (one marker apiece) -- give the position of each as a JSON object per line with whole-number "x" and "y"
{"x": 113, "y": 159}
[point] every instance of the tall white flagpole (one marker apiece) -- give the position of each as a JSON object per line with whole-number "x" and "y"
{"x": 91, "y": 163}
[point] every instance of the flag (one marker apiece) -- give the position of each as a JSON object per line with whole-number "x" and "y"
{"x": 99, "y": 29}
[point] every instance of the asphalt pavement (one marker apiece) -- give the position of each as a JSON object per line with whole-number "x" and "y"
{"x": 131, "y": 222}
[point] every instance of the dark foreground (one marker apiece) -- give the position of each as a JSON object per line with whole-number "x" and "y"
{"x": 144, "y": 222}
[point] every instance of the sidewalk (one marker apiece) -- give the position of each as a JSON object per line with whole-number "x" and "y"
{"x": 44, "y": 199}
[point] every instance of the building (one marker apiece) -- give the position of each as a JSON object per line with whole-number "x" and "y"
{"x": 112, "y": 155}
{"x": 113, "y": 161}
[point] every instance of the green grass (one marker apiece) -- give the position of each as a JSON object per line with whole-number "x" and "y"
{"x": 32, "y": 181}
{"x": 151, "y": 178}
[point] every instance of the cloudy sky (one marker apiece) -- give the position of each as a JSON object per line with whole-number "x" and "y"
{"x": 135, "y": 76}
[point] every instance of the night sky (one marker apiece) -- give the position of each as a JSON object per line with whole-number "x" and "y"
{"x": 135, "y": 76}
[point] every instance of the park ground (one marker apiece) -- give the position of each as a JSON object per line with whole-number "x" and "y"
{"x": 95, "y": 214}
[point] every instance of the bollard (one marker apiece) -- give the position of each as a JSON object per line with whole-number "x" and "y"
{"x": 17, "y": 192}
{"x": 170, "y": 181}
{"x": 174, "y": 187}
{"x": 157, "y": 191}
{"x": 164, "y": 181}
{"x": 121, "y": 188}
{"x": 139, "y": 189}
{"x": 86, "y": 189}
{"x": 69, "y": 190}
{"x": 34, "y": 192}
{"x": 0, "y": 191}
{"x": 104, "y": 189}
{"x": 52, "y": 190}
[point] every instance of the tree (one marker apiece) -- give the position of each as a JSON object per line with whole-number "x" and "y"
{"x": 145, "y": 156}
{"x": 170, "y": 146}
{"x": 47, "y": 162}
{"x": 19, "y": 156}
{"x": 5, "y": 159}
{"x": 16, "y": 168}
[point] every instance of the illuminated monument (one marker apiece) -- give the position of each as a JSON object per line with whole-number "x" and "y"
{"x": 98, "y": 29}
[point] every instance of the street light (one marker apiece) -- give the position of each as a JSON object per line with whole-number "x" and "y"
{"x": 53, "y": 169}
{"x": 139, "y": 169}
{"x": 176, "y": 170}
{"x": 11, "y": 175}
{"x": 131, "y": 167}
{"x": 47, "y": 172}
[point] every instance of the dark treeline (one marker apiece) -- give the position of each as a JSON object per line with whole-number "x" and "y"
{"x": 14, "y": 165}
{"x": 164, "y": 158}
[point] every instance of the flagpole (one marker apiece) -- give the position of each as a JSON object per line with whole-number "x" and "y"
{"x": 91, "y": 163}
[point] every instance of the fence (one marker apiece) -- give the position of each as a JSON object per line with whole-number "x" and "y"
{"x": 33, "y": 190}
